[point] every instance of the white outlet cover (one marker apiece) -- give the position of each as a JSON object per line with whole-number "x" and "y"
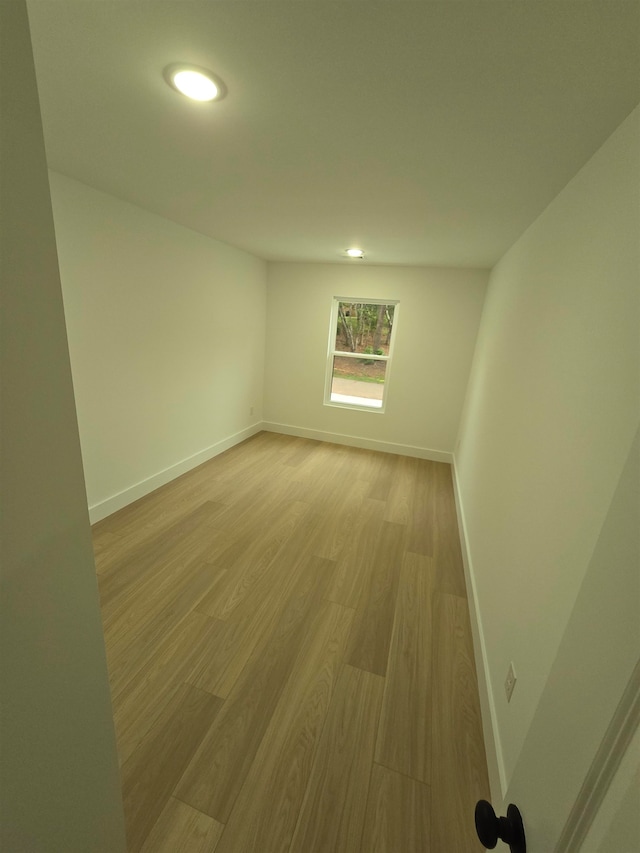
{"x": 510, "y": 682}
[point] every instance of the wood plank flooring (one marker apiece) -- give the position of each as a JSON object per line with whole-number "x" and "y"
{"x": 290, "y": 656}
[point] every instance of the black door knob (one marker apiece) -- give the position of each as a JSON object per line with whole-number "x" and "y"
{"x": 509, "y": 829}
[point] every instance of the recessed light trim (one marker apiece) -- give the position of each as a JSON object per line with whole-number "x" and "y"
{"x": 355, "y": 253}
{"x": 195, "y": 82}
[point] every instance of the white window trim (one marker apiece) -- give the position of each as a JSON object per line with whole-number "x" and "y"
{"x": 331, "y": 352}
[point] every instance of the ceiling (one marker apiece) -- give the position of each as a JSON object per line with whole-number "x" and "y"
{"x": 426, "y": 132}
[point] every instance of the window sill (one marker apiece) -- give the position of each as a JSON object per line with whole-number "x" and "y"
{"x": 359, "y": 404}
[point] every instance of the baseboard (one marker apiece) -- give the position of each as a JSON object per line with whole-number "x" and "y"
{"x": 104, "y": 508}
{"x": 357, "y": 441}
{"x": 493, "y": 748}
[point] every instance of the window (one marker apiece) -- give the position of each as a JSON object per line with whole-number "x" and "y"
{"x": 359, "y": 358}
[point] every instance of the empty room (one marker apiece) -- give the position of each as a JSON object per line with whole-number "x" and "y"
{"x": 320, "y": 410}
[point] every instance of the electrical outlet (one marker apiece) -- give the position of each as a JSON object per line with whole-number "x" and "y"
{"x": 510, "y": 682}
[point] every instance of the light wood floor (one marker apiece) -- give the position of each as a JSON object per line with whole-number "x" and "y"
{"x": 290, "y": 656}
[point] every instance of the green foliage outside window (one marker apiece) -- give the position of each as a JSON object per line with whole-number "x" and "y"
{"x": 364, "y": 327}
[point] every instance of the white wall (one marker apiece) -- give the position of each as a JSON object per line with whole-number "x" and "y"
{"x": 59, "y": 783}
{"x": 436, "y": 330}
{"x": 166, "y": 335}
{"x": 550, "y": 415}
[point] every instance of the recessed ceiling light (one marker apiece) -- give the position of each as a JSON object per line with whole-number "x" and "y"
{"x": 195, "y": 82}
{"x": 355, "y": 253}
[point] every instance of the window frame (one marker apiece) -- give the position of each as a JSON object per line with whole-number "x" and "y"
{"x": 332, "y": 352}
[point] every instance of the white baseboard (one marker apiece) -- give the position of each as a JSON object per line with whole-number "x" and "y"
{"x": 106, "y": 507}
{"x": 493, "y": 747}
{"x": 357, "y": 441}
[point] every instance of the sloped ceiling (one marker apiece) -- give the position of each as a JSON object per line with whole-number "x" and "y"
{"x": 426, "y": 132}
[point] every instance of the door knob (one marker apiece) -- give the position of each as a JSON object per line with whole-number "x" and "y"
{"x": 509, "y": 829}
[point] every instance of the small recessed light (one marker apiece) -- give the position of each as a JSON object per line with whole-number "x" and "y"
{"x": 355, "y": 253}
{"x": 196, "y": 83}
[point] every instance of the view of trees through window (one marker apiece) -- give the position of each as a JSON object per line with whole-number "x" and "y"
{"x": 361, "y": 329}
